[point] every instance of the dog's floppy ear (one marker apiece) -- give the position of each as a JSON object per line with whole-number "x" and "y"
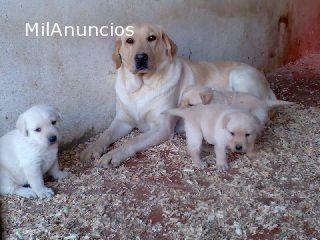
{"x": 53, "y": 111}
{"x": 225, "y": 120}
{"x": 257, "y": 123}
{"x": 206, "y": 96}
{"x": 184, "y": 103}
{"x": 58, "y": 114}
{"x": 116, "y": 57}
{"x": 170, "y": 45}
{"x": 21, "y": 125}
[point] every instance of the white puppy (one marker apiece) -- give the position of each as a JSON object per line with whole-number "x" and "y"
{"x": 197, "y": 95}
{"x": 220, "y": 125}
{"x": 28, "y": 152}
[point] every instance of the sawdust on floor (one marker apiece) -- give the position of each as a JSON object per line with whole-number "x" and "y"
{"x": 159, "y": 194}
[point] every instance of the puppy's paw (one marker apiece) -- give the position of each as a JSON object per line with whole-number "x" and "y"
{"x": 25, "y": 192}
{"x": 61, "y": 175}
{"x": 93, "y": 151}
{"x": 223, "y": 167}
{"x": 201, "y": 164}
{"x": 252, "y": 155}
{"x": 104, "y": 162}
{"x": 44, "y": 192}
{"x": 113, "y": 158}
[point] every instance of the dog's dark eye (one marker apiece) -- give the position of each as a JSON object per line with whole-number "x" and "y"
{"x": 53, "y": 122}
{"x": 152, "y": 38}
{"x": 232, "y": 133}
{"x": 38, "y": 130}
{"x": 130, "y": 41}
{"x": 247, "y": 134}
{"x": 190, "y": 105}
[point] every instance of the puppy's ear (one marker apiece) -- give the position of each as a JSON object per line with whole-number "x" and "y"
{"x": 21, "y": 125}
{"x": 225, "y": 121}
{"x": 116, "y": 57}
{"x": 184, "y": 103}
{"x": 257, "y": 123}
{"x": 170, "y": 45}
{"x": 58, "y": 114}
{"x": 206, "y": 96}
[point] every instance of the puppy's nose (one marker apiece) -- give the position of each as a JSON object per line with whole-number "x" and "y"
{"x": 141, "y": 60}
{"x": 52, "y": 139}
{"x": 238, "y": 147}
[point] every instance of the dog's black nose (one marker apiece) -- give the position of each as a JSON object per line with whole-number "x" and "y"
{"x": 141, "y": 57}
{"x": 238, "y": 147}
{"x": 141, "y": 60}
{"x": 52, "y": 139}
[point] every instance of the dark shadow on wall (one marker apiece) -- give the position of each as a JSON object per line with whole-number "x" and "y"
{"x": 303, "y": 31}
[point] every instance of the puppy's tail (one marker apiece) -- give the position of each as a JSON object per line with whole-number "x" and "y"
{"x": 180, "y": 112}
{"x": 277, "y": 103}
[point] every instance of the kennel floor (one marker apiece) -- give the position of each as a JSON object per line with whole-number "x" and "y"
{"x": 159, "y": 194}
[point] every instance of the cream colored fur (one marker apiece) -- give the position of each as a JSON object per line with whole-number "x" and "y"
{"x": 142, "y": 94}
{"x": 26, "y": 153}
{"x": 220, "y": 125}
{"x": 196, "y": 95}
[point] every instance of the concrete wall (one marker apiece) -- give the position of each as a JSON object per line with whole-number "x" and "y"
{"x": 302, "y": 29}
{"x": 77, "y": 74}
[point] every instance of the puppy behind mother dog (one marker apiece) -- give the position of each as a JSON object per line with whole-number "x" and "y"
{"x": 151, "y": 79}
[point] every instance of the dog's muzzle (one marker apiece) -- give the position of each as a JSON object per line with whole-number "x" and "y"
{"x": 141, "y": 61}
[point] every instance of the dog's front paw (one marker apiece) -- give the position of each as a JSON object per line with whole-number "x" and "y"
{"x": 113, "y": 158}
{"x": 201, "y": 164}
{"x": 94, "y": 151}
{"x": 25, "y": 192}
{"x": 44, "y": 192}
{"x": 252, "y": 155}
{"x": 61, "y": 175}
{"x": 223, "y": 167}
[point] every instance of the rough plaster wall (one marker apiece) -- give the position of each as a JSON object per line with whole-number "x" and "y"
{"x": 77, "y": 74}
{"x": 302, "y": 29}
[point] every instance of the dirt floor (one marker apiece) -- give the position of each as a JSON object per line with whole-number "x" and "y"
{"x": 158, "y": 194}
{"x": 298, "y": 81}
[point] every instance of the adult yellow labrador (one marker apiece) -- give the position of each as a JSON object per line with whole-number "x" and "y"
{"x": 151, "y": 79}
